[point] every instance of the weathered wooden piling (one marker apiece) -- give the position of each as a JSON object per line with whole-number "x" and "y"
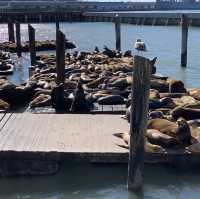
{"x": 60, "y": 56}
{"x": 60, "y": 69}
{"x": 138, "y": 122}
{"x": 31, "y": 33}
{"x": 18, "y": 39}
{"x": 11, "y": 32}
{"x": 118, "y": 33}
{"x": 184, "y": 40}
{"x": 57, "y": 22}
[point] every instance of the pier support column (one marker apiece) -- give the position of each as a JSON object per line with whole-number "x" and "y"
{"x": 31, "y": 33}
{"x": 184, "y": 40}
{"x": 60, "y": 70}
{"x": 138, "y": 122}
{"x": 11, "y": 33}
{"x": 18, "y": 39}
{"x": 118, "y": 33}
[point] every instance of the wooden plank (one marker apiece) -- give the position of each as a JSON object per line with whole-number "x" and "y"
{"x": 62, "y": 133}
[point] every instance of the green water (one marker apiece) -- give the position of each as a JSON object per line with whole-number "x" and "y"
{"x": 83, "y": 181}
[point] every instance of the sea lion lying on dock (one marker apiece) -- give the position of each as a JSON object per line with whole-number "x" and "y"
{"x": 148, "y": 146}
{"x": 180, "y": 130}
{"x": 40, "y": 101}
{"x": 195, "y": 93}
{"x": 156, "y": 137}
{"x": 186, "y": 113}
{"x": 4, "y": 105}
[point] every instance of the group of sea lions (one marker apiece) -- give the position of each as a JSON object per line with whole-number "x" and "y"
{"x": 173, "y": 118}
{"x": 6, "y": 63}
{"x": 39, "y": 45}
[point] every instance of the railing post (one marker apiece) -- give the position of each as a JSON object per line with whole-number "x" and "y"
{"x": 11, "y": 33}
{"x": 138, "y": 122}
{"x": 18, "y": 39}
{"x": 184, "y": 40}
{"x": 118, "y": 33}
{"x": 31, "y": 33}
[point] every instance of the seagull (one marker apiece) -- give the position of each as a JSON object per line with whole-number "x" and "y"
{"x": 140, "y": 45}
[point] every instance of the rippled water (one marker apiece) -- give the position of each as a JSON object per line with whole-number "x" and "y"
{"x": 162, "y": 41}
{"x": 102, "y": 182}
{"x": 94, "y": 181}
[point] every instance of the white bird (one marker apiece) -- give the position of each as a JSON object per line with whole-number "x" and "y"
{"x": 140, "y": 45}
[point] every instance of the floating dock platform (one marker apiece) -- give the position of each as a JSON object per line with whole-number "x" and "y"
{"x": 32, "y": 144}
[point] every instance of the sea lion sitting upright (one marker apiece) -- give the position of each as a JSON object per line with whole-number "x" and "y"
{"x": 179, "y": 130}
{"x": 79, "y": 103}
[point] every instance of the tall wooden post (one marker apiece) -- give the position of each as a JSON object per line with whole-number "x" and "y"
{"x": 11, "y": 33}
{"x": 60, "y": 56}
{"x": 138, "y": 122}
{"x": 60, "y": 69}
{"x": 31, "y": 33}
{"x": 184, "y": 40}
{"x": 117, "y": 33}
{"x": 18, "y": 39}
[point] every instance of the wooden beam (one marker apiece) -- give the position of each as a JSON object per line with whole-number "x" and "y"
{"x": 31, "y": 33}
{"x": 138, "y": 121}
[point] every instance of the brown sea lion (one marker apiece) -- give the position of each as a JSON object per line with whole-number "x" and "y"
{"x": 176, "y": 86}
{"x": 173, "y": 95}
{"x": 186, "y": 113}
{"x": 195, "y": 93}
{"x": 4, "y": 105}
{"x": 41, "y": 100}
{"x": 180, "y": 130}
{"x": 194, "y": 148}
{"x": 156, "y": 137}
{"x": 111, "y": 100}
{"x": 154, "y": 94}
{"x": 148, "y": 146}
{"x": 160, "y": 85}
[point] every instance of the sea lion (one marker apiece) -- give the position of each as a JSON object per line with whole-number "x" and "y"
{"x": 154, "y": 94}
{"x": 4, "y": 105}
{"x": 156, "y": 114}
{"x": 195, "y": 128}
{"x": 79, "y": 103}
{"x": 194, "y": 148}
{"x": 111, "y": 100}
{"x": 180, "y": 130}
{"x": 162, "y": 103}
{"x": 41, "y": 100}
{"x": 151, "y": 148}
{"x": 176, "y": 86}
{"x": 173, "y": 95}
{"x": 160, "y": 85}
{"x": 195, "y": 93}
{"x": 156, "y": 137}
{"x": 186, "y": 113}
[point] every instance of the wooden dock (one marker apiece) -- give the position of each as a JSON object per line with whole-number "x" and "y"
{"x": 37, "y": 144}
{"x": 62, "y": 136}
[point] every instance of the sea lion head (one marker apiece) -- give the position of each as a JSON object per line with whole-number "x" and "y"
{"x": 183, "y": 131}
